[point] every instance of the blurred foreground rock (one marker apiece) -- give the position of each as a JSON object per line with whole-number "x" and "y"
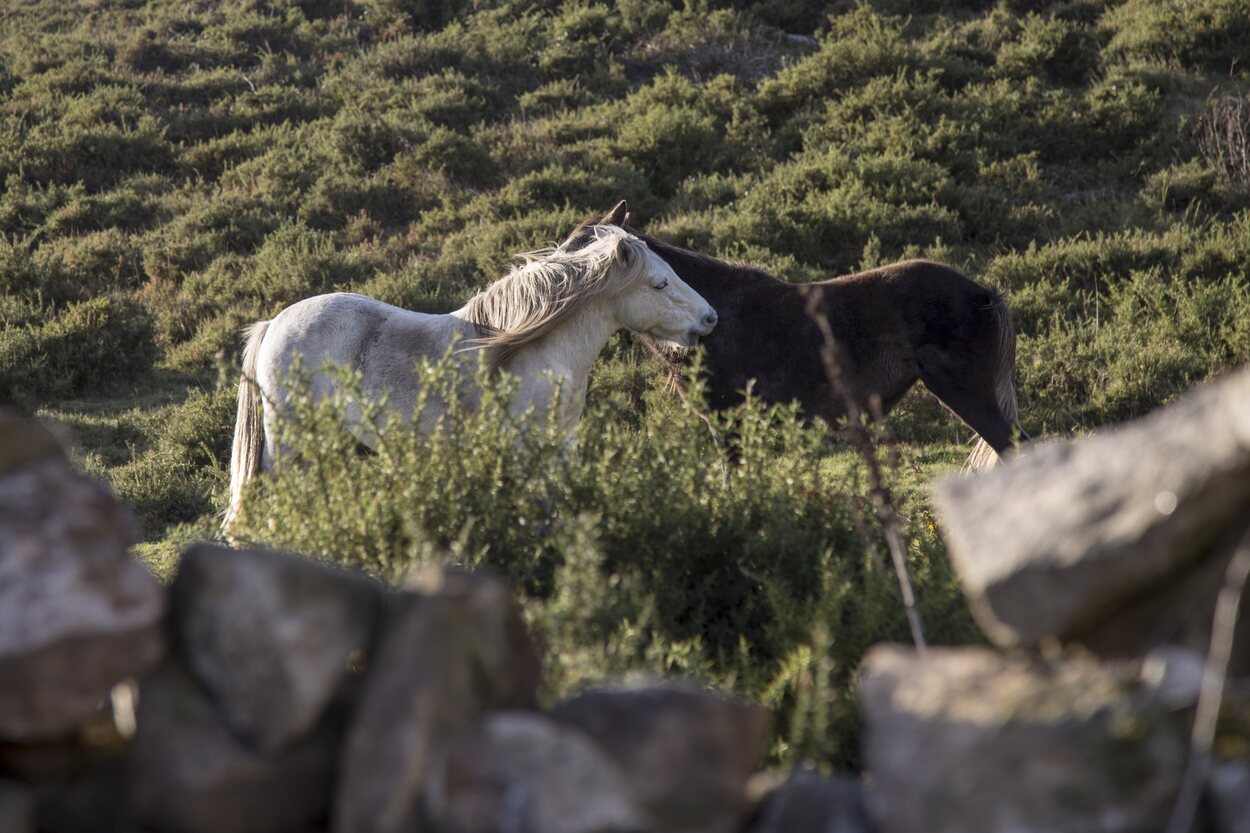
{"x": 192, "y": 775}
{"x": 1117, "y": 542}
{"x": 77, "y": 614}
{"x": 966, "y": 740}
{"x": 274, "y": 638}
{"x": 452, "y": 651}
{"x": 687, "y": 752}
{"x": 810, "y": 803}
{"x": 523, "y": 771}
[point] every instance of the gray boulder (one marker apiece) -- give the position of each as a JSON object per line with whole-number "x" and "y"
{"x": 453, "y": 650}
{"x": 523, "y": 772}
{"x": 810, "y": 803}
{"x": 274, "y": 638}
{"x": 190, "y": 774}
{"x": 1073, "y": 534}
{"x": 687, "y": 752}
{"x": 77, "y": 613}
{"x": 969, "y": 741}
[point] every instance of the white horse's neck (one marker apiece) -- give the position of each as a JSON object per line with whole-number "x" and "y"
{"x": 561, "y": 360}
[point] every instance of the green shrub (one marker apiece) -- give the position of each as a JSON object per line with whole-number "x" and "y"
{"x": 671, "y": 141}
{"x": 1149, "y": 340}
{"x": 1194, "y": 186}
{"x": 180, "y": 475}
{"x": 1207, "y": 33}
{"x": 823, "y": 207}
{"x": 421, "y": 14}
{"x": 858, "y": 46}
{"x": 102, "y": 343}
{"x": 97, "y": 157}
{"x": 1054, "y": 48}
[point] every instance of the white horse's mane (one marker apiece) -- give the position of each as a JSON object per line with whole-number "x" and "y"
{"x": 548, "y": 286}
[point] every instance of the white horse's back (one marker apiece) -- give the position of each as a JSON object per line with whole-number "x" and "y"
{"x": 383, "y": 343}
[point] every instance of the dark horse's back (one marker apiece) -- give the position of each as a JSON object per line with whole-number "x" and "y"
{"x": 894, "y": 325}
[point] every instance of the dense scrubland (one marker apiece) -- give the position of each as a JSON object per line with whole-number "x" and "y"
{"x": 172, "y": 171}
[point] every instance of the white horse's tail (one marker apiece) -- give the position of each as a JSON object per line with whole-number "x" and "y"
{"x": 983, "y": 455}
{"x": 246, "y": 456}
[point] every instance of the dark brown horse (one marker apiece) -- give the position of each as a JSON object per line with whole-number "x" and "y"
{"x": 909, "y": 321}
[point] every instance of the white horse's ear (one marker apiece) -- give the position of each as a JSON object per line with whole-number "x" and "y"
{"x": 617, "y": 216}
{"x": 624, "y": 251}
{"x": 628, "y": 220}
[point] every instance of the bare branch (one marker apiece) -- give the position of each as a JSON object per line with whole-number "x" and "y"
{"x": 834, "y": 362}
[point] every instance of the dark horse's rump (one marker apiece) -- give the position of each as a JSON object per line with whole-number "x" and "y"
{"x": 909, "y": 321}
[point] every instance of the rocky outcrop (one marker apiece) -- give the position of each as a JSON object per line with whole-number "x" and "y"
{"x": 77, "y": 614}
{"x": 967, "y": 740}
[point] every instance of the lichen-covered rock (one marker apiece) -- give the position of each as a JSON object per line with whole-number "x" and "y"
{"x": 274, "y": 638}
{"x": 810, "y": 803}
{"x": 77, "y": 613}
{"x": 686, "y": 751}
{"x": 452, "y": 650}
{"x": 522, "y": 771}
{"x": 190, "y": 774}
{"x": 1071, "y": 533}
{"x": 965, "y": 740}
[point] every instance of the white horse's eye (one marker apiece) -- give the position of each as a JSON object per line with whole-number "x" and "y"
{"x": 661, "y": 285}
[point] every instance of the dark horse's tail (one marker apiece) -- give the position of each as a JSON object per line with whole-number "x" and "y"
{"x": 983, "y": 455}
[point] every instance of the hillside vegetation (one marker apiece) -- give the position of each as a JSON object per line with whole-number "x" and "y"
{"x": 173, "y": 171}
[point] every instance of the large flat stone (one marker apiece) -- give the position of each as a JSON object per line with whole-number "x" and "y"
{"x": 969, "y": 741}
{"x": 1072, "y": 532}
{"x": 274, "y": 638}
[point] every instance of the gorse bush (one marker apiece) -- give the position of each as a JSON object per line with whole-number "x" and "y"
{"x": 103, "y": 343}
{"x": 717, "y": 564}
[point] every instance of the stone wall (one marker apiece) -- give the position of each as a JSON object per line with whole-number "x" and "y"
{"x": 266, "y": 693}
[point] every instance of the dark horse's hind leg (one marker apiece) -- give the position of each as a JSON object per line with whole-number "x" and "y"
{"x": 967, "y": 388}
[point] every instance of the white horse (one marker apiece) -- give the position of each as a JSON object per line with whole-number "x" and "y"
{"x": 544, "y": 322}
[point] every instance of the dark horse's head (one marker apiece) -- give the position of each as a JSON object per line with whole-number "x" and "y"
{"x": 584, "y": 234}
